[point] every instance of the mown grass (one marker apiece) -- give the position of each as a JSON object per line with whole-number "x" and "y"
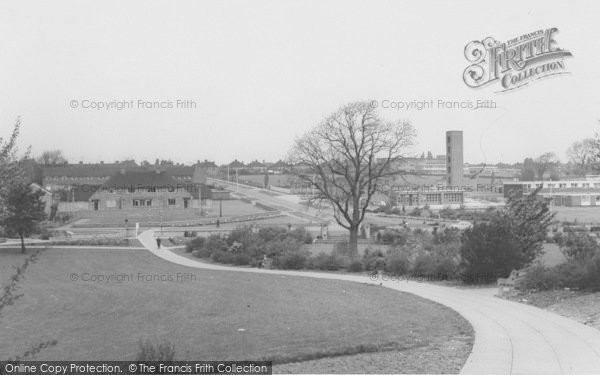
{"x": 211, "y": 315}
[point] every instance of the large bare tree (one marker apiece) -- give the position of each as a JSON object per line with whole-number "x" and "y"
{"x": 347, "y": 157}
{"x": 11, "y": 169}
{"x": 580, "y": 153}
{"x": 51, "y": 157}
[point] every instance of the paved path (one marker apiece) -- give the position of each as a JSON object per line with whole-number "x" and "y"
{"x": 510, "y": 338}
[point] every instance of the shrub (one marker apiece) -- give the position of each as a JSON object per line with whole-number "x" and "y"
{"x": 301, "y": 235}
{"x": 493, "y": 249}
{"x": 395, "y": 236}
{"x": 539, "y": 277}
{"x": 195, "y": 244}
{"x": 573, "y": 274}
{"x": 290, "y": 261}
{"x": 592, "y": 272}
{"x": 579, "y": 247}
{"x": 397, "y": 264}
{"x": 220, "y": 256}
{"x": 241, "y": 260}
{"x": 371, "y": 259}
{"x": 355, "y": 266}
{"x": 326, "y": 262}
{"x": 163, "y": 351}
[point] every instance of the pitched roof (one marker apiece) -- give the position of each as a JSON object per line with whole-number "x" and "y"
{"x": 280, "y": 164}
{"x": 140, "y": 179}
{"x": 236, "y": 164}
{"x": 176, "y": 170}
{"x": 206, "y": 164}
{"x": 256, "y": 164}
{"x": 85, "y": 170}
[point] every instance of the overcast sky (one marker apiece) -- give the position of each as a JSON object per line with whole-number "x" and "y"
{"x": 263, "y": 72}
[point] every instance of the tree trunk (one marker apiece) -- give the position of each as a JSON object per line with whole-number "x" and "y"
{"x": 353, "y": 243}
{"x": 22, "y": 244}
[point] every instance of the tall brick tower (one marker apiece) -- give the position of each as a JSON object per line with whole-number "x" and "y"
{"x": 454, "y": 158}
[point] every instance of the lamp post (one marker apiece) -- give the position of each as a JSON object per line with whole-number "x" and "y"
{"x": 237, "y": 185}
{"x": 126, "y": 229}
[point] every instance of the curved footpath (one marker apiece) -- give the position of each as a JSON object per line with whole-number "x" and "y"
{"x": 510, "y": 338}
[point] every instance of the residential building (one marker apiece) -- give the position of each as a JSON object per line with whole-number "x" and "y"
{"x": 138, "y": 190}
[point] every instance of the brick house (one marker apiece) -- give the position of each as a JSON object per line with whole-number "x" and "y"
{"x": 65, "y": 175}
{"x": 141, "y": 190}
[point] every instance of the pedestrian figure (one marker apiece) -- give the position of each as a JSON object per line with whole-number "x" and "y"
{"x": 158, "y": 242}
{"x": 218, "y": 223}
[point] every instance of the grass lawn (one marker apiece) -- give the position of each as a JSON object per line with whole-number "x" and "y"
{"x": 590, "y": 214}
{"x": 215, "y": 315}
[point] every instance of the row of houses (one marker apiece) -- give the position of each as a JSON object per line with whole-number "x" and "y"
{"x": 125, "y": 186}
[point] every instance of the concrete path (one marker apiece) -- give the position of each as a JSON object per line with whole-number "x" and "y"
{"x": 510, "y": 338}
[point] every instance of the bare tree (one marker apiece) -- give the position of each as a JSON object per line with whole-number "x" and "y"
{"x": 11, "y": 169}
{"x": 544, "y": 163}
{"x": 580, "y": 153}
{"x": 347, "y": 157}
{"x": 51, "y": 157}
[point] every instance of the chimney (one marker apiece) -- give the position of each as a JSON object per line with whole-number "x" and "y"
{"x": 80, "y": 162}
{"x": 102, "y": 162}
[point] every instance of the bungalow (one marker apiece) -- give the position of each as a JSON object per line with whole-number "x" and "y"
{"x": 236, "y": 164}
{"x": 136, "y": 190}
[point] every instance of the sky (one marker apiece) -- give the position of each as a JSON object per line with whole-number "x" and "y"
{"x": 257, "y": 74}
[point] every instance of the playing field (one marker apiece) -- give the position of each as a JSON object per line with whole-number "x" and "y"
{"x": 99, "y": 303}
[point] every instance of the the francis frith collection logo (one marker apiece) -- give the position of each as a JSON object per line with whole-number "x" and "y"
{"x": 515, "y": 63}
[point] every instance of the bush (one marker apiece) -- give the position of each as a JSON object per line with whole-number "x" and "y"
{"x": 492, "y": 250}
{"x": 592, "y": 274}
{"x": 539, "y": 277}
{"x": 220, "y": 256}
{"x": 355, "y": 266}
{"x": 395, "y": 236}
{"x": 241, "y": 260}
{"x": 163, "y": 351}
{"x": 573, "y": 274}
{"x": 397, "y": 264}
{"x": 195, "y": 244}
{"x": 290, "y": 261}
{"x": 578, "y": 247}
{"x": 371, "y": 259}
{"x": 326, "y": 262}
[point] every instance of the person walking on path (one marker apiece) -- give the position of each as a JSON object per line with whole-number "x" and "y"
{"x": 158, "y": 242}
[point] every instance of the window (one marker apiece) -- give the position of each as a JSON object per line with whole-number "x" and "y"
{"x": 142, "y": 202}
{"x": 171, "y": 201}
{"x": 131, "y": 189}
{"x": 152, "y": 189}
